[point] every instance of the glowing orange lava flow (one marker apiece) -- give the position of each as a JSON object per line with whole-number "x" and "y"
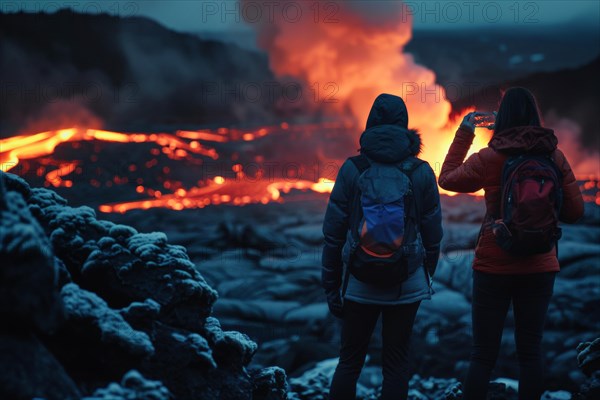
{"x": 240, "y": 189}
{"x": 55, "y": 177}
{"x": 24, "y": 147}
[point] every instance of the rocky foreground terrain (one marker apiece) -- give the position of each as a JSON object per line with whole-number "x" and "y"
{"x": 100, "y": 309}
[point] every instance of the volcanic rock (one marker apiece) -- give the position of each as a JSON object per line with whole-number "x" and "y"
{"x": 29, "y": 302}
{"x": 29, "y": 370}
{"x": 133, "y": 386}
{"x": 588, "y": 356}
{"x": 90, "y": 301}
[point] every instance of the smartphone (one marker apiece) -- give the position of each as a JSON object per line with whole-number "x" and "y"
{"x": 485, "y": 119}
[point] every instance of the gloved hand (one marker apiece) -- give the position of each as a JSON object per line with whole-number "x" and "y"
{"x": 468, "y": 122}
{"x": 335, "y": 303}
{"x": 431, "y": 260}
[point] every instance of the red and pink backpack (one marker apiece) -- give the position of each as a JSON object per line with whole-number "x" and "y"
{"x": 530, "y": 203}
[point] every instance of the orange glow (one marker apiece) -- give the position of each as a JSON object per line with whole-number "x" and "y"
{"x": 25, "y": 147}
{"x": 201, "y": 135}
{"x": 589, "y": 185}
{"x": 348, "y": 63}
{"x": 348, "y": 74}
{"x": 55, "y": 177}
{"x": 237, "y": 190}
{"x": 222, "y": 191}
{"x": 322, "y": 186}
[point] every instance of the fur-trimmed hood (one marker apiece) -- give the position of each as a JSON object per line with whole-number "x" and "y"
{"x": 387, "y": 138}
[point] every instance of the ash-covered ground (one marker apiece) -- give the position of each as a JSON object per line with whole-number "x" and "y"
{"x": 264, "y": 261}
{"x": 225, "y": 302}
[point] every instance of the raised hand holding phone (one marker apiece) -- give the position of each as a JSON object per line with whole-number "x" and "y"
{"x": 468, "y": 122}
{"x": 485, "y": 119}
{"x": 480, "y": 119}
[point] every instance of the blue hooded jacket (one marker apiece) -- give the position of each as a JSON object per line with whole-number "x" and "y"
{"x": 386, "y": 139}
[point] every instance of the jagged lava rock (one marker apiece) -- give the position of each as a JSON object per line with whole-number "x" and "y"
{"x": 269, "y": 383}
{"x": 133, "y": 387}
{"x": 29, "y": 273}
{"x": 95, "y": 343}
{"x": 120, "y": 264}
{"x": 130, "y": 266}
{"x": 29, "y": 302}
{"x": 129, "y": 301}
{"x": 29, "y": 370}
{"x": 588, "y": 356}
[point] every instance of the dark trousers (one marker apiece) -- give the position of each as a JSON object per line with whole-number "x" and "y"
{"x": 357, "y": 327}
{"x": 492, "y": 294}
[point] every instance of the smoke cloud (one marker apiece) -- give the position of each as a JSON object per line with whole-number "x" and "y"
{"x": 349, "y": 52}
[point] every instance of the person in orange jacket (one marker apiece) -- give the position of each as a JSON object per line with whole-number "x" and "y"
{"x": 500, "y": 277}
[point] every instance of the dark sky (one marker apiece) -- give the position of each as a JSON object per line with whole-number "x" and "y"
{"x": 206, "y": 15}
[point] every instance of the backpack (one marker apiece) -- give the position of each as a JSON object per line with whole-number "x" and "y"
{"x": 385, "y": 245}
{"x": 530, "y": 203}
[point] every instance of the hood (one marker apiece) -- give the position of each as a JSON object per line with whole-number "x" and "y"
{"x": 388, "y": 109}
{"x": 524, "y": 139}
{"x": 387, "y": 138}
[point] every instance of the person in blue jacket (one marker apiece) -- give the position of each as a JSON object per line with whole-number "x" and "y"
{"x": 386, "y": 139}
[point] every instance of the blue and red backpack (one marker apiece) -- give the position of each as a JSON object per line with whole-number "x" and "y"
{"x": 385, "y": 245}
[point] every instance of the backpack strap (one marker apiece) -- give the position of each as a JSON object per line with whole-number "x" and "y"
{"x": 560, "y": 198}
{"x": 409, "y": 166}
{"x": 361, "y": 162}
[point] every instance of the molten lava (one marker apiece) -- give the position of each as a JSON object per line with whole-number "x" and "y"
{"x": 31, "y": 146}
{"x": 221, "y": 191}
{"x": 182, "y": 145}
{"x": 237, "y": 188}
